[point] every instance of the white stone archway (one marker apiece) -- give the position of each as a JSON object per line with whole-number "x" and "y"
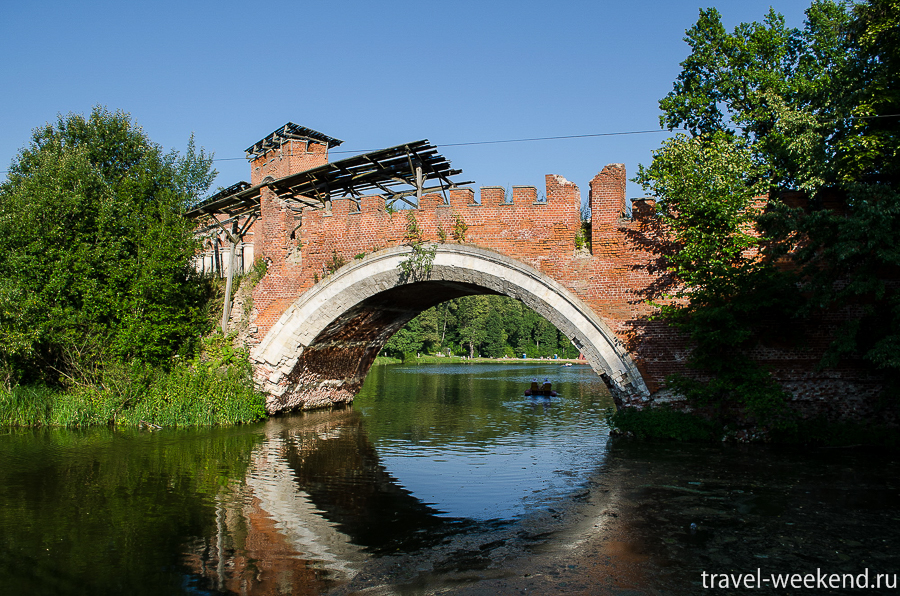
{"x": 311, "y": 320}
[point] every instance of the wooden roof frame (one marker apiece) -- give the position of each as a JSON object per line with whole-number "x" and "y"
{"x": 285, "y": 133}
{"x": 408, "y": 165}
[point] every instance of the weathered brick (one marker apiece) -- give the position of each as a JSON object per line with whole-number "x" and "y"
{"x": 614, "y": 279}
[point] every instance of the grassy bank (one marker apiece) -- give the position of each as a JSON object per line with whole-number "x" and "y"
{"x": 213, "y": 388}
{"x": 666, "y": 424}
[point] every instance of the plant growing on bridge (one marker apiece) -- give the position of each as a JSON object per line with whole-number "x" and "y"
{"x": 414, "y": 233}
{"x": 459, "y": 229}
{"x": 418, "y": 265}
{"x": 254, "y": 275}
{"x": 337, "y": 261}
{"x": 583, "y": 236}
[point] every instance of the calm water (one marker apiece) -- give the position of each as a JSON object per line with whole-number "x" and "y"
{"x": 439, "y": 479}
{"x": 299, "y": 503}
{"x": 465, "y": 440}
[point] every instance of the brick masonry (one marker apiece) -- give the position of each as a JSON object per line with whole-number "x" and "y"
{"x": 613, "y": 279}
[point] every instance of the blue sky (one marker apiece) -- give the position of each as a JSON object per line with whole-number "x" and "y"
{"x": 374, "y": 74}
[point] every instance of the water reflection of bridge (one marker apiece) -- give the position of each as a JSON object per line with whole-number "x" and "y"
{"x": 316, "y": 504}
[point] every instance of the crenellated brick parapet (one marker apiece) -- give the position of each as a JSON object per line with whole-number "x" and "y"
{"x": 538, "y": 229}
{"x": 613, "y": 279}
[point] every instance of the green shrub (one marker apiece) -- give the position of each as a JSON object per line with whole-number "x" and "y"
{"x": 192, "y": 395}
{"x": 663, "y": 423}
{"x": 213, "y": 388}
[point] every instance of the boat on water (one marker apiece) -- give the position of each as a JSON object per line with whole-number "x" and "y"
{"x": 544, "y": 390}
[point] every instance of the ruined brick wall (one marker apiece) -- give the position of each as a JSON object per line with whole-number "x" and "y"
{"x": 540, "y": 232}
{"x": 615, "y": 277}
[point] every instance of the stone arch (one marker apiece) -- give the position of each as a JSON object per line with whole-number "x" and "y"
{"x": 320, "y": 350}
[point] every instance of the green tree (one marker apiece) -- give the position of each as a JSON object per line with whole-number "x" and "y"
{"x": 95, "y": 256}
{"x": 494, "y": 334}
{"x": 430, "y": 322}
{"x": 545, "y": 337}
{"x": 772, "y": 109}
{"x": 408, "y": 340}
{"x": 471, "y": 315}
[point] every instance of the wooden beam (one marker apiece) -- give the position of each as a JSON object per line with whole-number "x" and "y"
{"x": 226, "y": 309}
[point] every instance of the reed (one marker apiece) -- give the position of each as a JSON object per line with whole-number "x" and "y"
{"x": 188, "y": 395}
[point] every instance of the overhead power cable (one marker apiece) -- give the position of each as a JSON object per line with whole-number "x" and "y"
{"x": 560, "y": 137}
{"x": 524, "y": 140}
{"x": 554, "y": 138}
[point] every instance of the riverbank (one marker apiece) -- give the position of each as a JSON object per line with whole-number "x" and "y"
{"x": 212, "y": 388}
{"x": 667, "y": 424}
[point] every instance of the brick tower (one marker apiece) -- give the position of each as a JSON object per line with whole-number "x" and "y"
{"x": 288, "y": 150}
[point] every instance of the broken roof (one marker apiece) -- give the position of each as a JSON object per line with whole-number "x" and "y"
{"x": 383, "y": 171}
{"x": 289, "y": 131}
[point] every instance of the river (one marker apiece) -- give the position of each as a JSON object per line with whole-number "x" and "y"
{"x": 440, "y": 479}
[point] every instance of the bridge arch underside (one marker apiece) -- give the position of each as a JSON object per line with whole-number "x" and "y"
{"x": 319, "y": 352}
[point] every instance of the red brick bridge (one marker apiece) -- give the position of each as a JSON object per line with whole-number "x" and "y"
{"x": 334, "y": 292}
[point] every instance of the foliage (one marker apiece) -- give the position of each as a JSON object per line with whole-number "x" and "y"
{"x": 492, "y": 326}
{"x": 212, "y": 388}
{"x": 727, "y": 295}
{"x": 256, "y": 272}
{"x": 414, "y": 234}
{"x": 772, "y": 109}
{"x": 417, "y": 266}
{"x": 583, "y": 236}
{"x": 706, "y": 191}
{"x": 95, "y": 256}
{"x": 470, "y": 315}
{"x": 337, "y": 261}
{"x": 662, "y": 424}
{"x": 459, "y": 229}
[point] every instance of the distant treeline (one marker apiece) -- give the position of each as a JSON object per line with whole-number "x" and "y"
{"x": 492, "y": 326}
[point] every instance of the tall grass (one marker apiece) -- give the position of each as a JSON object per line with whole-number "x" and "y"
{"x": 27, "y": 406}
{"x": 190, "y": 396}
{"x": 212, "y": 389}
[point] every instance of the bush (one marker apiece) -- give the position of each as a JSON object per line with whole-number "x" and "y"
{"x": 663, "y": 423}
{"x": 109, "y": 275}
{"x": 213, "y": 388}
{"x": 26, "y": 406}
